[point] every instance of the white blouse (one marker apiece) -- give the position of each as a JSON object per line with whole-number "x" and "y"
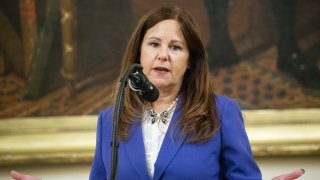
{"x": 153, "y": 135}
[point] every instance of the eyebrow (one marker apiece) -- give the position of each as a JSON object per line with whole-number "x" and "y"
{"x": 174, "y": 41}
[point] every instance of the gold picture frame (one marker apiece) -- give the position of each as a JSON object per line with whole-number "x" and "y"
{"x": 71, "y": 139}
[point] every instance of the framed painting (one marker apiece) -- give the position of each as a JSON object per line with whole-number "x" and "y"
{"x": 59, "y": 62}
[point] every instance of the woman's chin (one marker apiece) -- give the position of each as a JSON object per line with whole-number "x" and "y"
{"x": 161, "y": 85}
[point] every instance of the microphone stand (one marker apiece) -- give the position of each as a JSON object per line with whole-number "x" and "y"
{"x": 116, "y": 116}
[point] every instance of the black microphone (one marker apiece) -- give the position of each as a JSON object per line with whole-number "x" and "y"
{"x": 139, "y": 82}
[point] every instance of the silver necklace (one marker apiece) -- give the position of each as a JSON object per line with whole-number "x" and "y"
{"x": 155, "y": 116}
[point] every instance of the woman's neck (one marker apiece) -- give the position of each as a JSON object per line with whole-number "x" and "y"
{"x": 164, "y": 101}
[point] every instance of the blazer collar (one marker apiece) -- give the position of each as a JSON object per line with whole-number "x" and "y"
{"x": 135, "y": 149}
{"x": 170, "y": 146}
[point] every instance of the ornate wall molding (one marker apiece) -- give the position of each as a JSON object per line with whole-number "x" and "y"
{"x": 71, "y": 139}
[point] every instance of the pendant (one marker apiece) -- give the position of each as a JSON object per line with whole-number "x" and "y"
{"x": 164, "y": 116}
{"x": 153, "y": 115}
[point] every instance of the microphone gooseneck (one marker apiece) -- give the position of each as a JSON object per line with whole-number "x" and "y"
{"x": 139, "y": 83}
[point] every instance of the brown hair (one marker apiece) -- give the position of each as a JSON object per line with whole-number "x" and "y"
{"x": 198, "y": 119}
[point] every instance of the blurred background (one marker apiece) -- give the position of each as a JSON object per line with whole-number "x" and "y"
{"x": 62, "y": 58}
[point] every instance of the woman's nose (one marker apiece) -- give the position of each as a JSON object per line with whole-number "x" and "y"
{"x": 163, "y": 54}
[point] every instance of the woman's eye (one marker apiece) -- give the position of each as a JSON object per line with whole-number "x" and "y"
{"x": 154, "y": 44}
{"x": 175, "y": 47}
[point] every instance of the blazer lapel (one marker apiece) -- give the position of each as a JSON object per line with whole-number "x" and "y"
{"x": 135, "y": 148}
{"x": 170, "y": 145}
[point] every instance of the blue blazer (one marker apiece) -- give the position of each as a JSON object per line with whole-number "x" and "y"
{"x": 227, "y": 155}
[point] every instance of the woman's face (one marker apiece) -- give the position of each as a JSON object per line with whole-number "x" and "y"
{"x": 164, "y": 55}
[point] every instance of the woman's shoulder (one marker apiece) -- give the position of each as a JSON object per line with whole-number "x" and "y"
{"x": 107, "y": 112}
{"x": 221, "y": 100}
{"x": 228, "y": 111}
{"x": 226, "y": 104}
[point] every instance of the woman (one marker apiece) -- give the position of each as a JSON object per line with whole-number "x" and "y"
{"x": 189, "y": 132}
{"x": 201, "y": 135}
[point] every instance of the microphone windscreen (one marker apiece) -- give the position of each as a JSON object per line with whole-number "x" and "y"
{"x": 151, "y": 97}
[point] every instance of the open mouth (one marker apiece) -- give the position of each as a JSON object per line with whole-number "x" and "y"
{"x": 161, "y": 69}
